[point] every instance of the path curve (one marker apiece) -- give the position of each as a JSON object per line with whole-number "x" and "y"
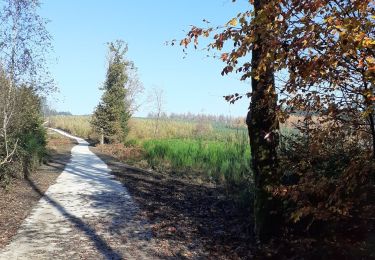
{"x": 86, "y": 214}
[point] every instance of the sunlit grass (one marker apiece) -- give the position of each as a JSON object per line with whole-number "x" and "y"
{"x": 215, "y": 151}
{"x": 75, "y": 125}
{"x": 223, "y": 161}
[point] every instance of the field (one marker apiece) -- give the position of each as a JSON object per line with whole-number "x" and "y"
{"x": 76, "y": 125}
{"x": 211, "y": 151}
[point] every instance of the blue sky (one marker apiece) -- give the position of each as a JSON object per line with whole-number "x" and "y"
{"x": 81, "y": 28}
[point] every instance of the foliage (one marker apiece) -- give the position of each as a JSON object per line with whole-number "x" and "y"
{"x": 328, "y": 189}
{"x": 25, "y": 130}
{"x": 328, "y": 50}
{"x": 322, "y": 53}
{"x": 25, "y": 42}
{"x": 326, "y": 47}
{"x": 23, "y": 77}
{"x": 29, "y": 129}
{"x": 255, "y": 34}
{"x": 113, "y": 112}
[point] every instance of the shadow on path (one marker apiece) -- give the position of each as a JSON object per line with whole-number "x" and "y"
{"x": 99, "y": 243}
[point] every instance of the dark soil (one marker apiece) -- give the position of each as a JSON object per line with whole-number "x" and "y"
{"x": 22, "y": 195}
{"x": 191, "y": 220}
{"x": 188, "y": 220}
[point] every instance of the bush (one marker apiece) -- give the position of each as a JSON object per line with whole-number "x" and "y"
{"x": 328, "y": 180}
{"x": 25, "y": 130}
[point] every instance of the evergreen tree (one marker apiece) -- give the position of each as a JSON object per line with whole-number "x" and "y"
{"x": 112, "y": 114}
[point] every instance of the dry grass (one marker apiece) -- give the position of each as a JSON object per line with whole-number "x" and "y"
{"x": 140, "y": 129}
{"x": 76, "y": 125}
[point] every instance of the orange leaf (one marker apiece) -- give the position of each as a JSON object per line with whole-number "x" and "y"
{"x": 224, "y": 56}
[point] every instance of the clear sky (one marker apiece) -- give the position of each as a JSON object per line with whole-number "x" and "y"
{"x": 81, "y": 29}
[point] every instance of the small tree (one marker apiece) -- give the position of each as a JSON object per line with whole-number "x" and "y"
{"x": 111, "y": 116}
{"x": 157, "y": 101}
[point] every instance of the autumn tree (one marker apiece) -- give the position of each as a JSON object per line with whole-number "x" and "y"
{"x": 328, "y": 48}
{"x": 253, "y": 32}
{"x": 322, "y": 53}
{"x": 111, "y": 116}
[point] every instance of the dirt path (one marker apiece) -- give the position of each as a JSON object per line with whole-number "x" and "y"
{"x": 85, "y": 215}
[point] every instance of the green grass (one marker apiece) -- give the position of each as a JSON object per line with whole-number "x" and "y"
{"x": 225, "y": 162}
{"x": 215, "y": 151}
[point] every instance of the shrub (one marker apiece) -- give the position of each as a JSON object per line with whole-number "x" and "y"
{"x": 328, "y": 180}
{"x": 26, "y": 130}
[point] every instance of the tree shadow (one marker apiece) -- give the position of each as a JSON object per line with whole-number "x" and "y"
{"x": 100, "y": 244}
{"x": 194, "y": 217}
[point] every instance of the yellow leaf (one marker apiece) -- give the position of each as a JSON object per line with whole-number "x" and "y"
{"x": 367, "y": 42}
{"x": 370, "y": 59}
{"x": 328, "y": 19}
{"x": 233, "y": 22}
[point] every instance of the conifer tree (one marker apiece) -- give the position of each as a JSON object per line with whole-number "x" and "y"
{"x": 112, "y": 114}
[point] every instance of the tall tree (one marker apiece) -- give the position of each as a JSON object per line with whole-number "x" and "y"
{"x": 113, "y": 112}
{"x": 253, "y": 32}
{"x": 324, "y": 49}
{"x": 263, "y": 124}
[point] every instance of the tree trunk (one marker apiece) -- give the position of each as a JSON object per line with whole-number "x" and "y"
{"x": 101, "y": 136}
{"x": 263, "y": 132}
{"x": 372, "y": 126}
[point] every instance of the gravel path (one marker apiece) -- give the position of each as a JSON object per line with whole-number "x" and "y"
{"x": 85, "y": 215}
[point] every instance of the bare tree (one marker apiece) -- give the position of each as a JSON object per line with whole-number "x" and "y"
{"x": 7, "y": 105}
{"x": 134, "y": 89}
{"x": 156, "y": 100}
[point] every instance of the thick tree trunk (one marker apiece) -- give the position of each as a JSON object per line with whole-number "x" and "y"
{"x": 263, "y": 132}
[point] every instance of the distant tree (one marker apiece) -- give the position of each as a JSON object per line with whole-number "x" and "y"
{"x": 48, "y": 111}
{"x": 156, "y": 100}
{"x": 134, "y": 88}
{"x": 112, "y": 114}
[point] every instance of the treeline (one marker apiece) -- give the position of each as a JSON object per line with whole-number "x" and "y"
{"x": 48, "y": 111}
{"x": 222, "y": 119}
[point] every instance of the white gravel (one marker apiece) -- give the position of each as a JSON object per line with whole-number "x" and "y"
{"x": 86, "y": 214}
